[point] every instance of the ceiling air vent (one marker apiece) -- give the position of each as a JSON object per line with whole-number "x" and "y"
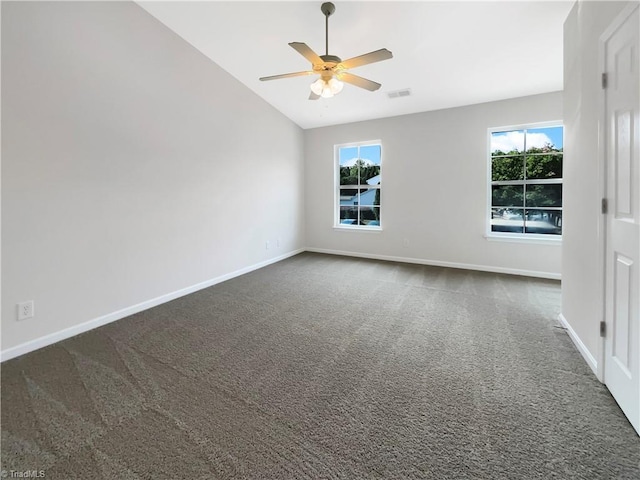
{"x": 400, "y": 93}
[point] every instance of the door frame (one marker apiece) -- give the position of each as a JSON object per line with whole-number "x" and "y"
{"x": 602, "y": 181}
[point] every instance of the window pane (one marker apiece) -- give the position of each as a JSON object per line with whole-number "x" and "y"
{"x": 543, "y": 221}
{"x": 348, "y": 215}
{"x": 544, "y": 139}
{"x": 369, "y": 174}
{"x": 370, "y": 197}
{"x": 348, "y": 156}
{"x": 544, "y": 195}
{"x": 370, "y": 216}
{"x": 348, "y": 165}
{"x": 348, "y": 176}
{"x": 348, "y": 196}
{"x": 507, "y": 195}
{"x": 507, "y": 220}
{"x": 507, "y": 168}
{"x": 503, "y": 143}
{"x": 370, "y": 154}
{"x": 544, "y": 166}
{"x": 370, "y": 164}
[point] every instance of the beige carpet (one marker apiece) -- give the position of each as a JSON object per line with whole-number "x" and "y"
{"x": 322, "y": 367}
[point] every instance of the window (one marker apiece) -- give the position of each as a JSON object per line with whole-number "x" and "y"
{"x": 526, "y": 181}
{"x": 358, "y": 185}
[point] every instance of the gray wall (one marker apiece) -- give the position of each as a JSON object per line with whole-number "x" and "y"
{"x": 132, "y": 166}
{"x": 582, "y": 293}
{"x": 434, "y": 188}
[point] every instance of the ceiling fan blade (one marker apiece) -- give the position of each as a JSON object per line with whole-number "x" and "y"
{"x": 367, "y": 58}
{"x": 286, "y": 75}
{"x": 313, "y": 96}
{"x": 359, "y": 81}
{"x": 304, "y": 50}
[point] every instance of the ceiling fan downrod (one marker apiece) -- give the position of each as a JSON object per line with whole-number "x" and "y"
{"x": 327, "y": 9}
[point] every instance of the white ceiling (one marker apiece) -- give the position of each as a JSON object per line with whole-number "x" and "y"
{"x": 449, "y": 53}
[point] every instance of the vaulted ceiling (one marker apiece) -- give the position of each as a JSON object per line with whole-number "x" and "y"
{"x": 447, "y": 54}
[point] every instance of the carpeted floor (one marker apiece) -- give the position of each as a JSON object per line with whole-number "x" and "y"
{"x": 323, "y": 367}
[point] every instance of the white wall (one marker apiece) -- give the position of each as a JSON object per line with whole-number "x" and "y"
{"x": 581, "y": 255}
{"x": 132, "y": 167}
{"x": 434, "y": 187}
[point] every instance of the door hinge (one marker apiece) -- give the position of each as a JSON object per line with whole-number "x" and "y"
{"x": 604, "y": 206}
{"x": 603, "y": 329}
{"x": 604, "y": 80}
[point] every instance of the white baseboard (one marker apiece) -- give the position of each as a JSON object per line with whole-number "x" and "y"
{"x": 46, "y": 340}
{"x": 438, "y": 263}
{"x": 586, "y": 354}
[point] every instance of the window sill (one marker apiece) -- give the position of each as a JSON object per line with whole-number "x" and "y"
{"x": 346, "y": 228}
{"x": 530, "y": 239}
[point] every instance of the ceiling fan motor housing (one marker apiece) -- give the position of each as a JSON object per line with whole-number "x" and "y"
{"x": 330, "y": 59}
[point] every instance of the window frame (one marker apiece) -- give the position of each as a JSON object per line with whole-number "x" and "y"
{"x": 521, "y": 237}
{"x": 336, "y": 183}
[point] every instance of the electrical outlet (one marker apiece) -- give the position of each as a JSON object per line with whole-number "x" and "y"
{"x": 266, "y": 245}
{"x": 25, "y": 310}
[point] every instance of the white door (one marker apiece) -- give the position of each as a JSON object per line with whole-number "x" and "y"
{"x": 622, "y": 255}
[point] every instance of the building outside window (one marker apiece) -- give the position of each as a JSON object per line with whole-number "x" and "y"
{"x": 526, "y": 181}
{"x": 358, "y": 189}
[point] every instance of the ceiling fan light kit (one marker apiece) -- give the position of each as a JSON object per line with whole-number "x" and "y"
{"x": 327, "y": 88}
{"x": 332, "y": 70}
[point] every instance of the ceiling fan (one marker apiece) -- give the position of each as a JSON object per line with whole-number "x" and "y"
{"x": 332, "y": 69}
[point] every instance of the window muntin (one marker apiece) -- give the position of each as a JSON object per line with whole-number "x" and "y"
{"x": 526, "y": 180}
{"x": 358, "y": 190}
